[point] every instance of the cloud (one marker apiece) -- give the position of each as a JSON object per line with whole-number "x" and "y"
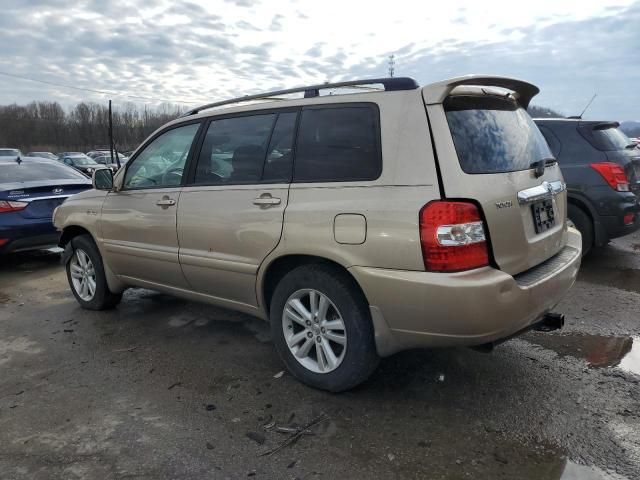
{"x": 201, "y": 51}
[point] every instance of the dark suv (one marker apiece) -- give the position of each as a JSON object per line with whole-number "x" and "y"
{"x": 601, "y": 167}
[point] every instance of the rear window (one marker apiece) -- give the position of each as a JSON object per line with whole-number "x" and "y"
{"x": 493, "y": 135}
{"x": 338, "y": 144}
{"x": 606, "y": 138}
{"x": 30, "y": 171}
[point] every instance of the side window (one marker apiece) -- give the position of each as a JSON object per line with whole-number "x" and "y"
{"x": 247, "y": 149}
{"x": 338, "y": 144}
{"x": 161, "y": 163}
{"x": 552, "y": 140}
{"x": 277, "y": 167}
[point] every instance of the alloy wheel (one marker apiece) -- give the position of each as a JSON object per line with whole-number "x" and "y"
{"x": 314, "y": 331}
{"x": 83, "y": 275}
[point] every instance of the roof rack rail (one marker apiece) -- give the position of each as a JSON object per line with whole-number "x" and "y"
{"x": 390, "y": 84}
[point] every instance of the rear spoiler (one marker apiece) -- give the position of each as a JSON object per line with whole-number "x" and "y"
{"x": 601, "y": 125}
{"x": 523, "y": 91}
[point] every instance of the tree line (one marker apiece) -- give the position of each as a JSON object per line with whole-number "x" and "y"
{"x": 47, "y": 126}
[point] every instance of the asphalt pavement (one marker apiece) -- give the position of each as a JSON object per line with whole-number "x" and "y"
{"x": 161, "y": 388}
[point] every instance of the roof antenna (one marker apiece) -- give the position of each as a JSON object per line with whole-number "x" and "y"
{"x": 392, "y": 65}
{"x": 579, "y": 117}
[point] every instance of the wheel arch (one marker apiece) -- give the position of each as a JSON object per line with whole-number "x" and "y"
{"x": 271, "y": 273}
{"x": 600, "y": 236}
{"x": 72, "y": 231}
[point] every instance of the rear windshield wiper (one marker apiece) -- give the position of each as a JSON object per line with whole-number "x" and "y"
{"x": 631, "y": 146}
{"x": 541, "y": 164}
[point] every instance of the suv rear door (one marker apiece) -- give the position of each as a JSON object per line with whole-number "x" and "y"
{"x": 486, "y": 143}
{"x": 231, "y": 211}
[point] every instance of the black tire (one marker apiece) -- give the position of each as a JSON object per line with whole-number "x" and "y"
{"x": 103, "y": 298}
{"x": 360, "y": 356}
{"x": 583, "y": 223}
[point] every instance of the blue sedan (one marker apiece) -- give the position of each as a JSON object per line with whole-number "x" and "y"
{"x": 29, "y": 192}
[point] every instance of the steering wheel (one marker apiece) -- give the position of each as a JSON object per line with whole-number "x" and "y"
{"x": 172, "y": 172}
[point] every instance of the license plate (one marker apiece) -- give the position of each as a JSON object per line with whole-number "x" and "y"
{"x": 543, "y": 215}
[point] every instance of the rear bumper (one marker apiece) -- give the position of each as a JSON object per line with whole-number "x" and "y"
{"x": 609, "y": 215}
{"x": 413, "y": 309}
{"x": 30, "y": 234}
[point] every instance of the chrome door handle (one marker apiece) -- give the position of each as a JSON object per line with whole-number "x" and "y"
{"x": 166, "y": 202}
{"x": 266, "y": 200}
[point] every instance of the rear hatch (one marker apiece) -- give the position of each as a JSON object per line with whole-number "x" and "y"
{"x": 488, "y": 149}
{"x": 615, "y": 147}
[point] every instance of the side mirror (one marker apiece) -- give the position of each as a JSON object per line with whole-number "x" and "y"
{"x": 102, "y": 179}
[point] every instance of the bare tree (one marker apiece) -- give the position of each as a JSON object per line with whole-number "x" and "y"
{"x": 46, "y": 126}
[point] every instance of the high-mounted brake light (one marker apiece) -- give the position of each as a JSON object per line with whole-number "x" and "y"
{"x": 10, "y": 206}
{"x": 613, "y": 174}
{"x": 452, "y": 237}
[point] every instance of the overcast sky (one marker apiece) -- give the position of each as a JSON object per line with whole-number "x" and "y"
{"x": 198, "y": 52}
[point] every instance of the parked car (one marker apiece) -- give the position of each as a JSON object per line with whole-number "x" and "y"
{"x": 106, "y": 160}
{"x": 10, "y": 152}
{"x": 80, "y": 162}
{"x": 399, "y": 227}
{"x": 48, "y": 155}
{"x": 602, "y": 169}
{"x": 29, "y": 191}
{"x": 95, "y": 153}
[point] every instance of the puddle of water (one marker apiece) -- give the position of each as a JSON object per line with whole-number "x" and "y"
{"x": 599, "y": 351}
{"x": 575, "y": 471}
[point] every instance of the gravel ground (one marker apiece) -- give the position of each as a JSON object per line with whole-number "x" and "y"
{"x": 162, "y": 388}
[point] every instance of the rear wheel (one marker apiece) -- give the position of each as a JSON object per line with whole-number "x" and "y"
{"x": 85, "y": 272}
{"x": 322, "y": 329}
{"x": 583, "y": 223}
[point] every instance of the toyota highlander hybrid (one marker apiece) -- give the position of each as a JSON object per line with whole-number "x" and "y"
{"x": 390, "y": 217}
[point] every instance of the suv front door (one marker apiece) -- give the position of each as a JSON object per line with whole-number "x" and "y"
{"x": 139, "y": 221}
{"x": 230, "y": 215}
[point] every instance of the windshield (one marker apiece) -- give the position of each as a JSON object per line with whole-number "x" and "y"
{"x": 9, "y": 153}
{"x": 609, "y": 138}
{"x": 493, "y": 135}
{"x": 32, "y": 171}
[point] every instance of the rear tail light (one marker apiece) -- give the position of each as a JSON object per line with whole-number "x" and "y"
{"x": 9, "y": 206}
{"x": 3, "y": 241}
{"x": 452, "y": 237}
{"x": 628, "y": 218}
{"x": 613, "y": 174}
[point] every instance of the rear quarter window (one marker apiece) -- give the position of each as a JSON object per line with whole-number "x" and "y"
{"x": 493, "y": 134}
{"x": 338, "y": 144}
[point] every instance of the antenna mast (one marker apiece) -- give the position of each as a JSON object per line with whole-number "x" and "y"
{"x": 392, "y": 65}
{"x": 588, "y": 104}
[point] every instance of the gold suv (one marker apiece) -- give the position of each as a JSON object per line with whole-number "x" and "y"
{"x": 381, "y": 217}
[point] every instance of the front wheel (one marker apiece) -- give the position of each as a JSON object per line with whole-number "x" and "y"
{"x": 322, "y": 328}
{"x": 85, "y": 272}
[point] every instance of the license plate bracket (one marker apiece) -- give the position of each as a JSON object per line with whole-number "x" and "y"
{"x": 543, "y": 215}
